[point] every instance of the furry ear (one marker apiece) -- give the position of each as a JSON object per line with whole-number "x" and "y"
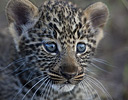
{"x": 97, "y": 16}
{"x": 21, "y": 13}
{"x": 97, "y": 13}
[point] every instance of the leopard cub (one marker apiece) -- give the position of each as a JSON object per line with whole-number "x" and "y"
{"x": 55, "y": 44}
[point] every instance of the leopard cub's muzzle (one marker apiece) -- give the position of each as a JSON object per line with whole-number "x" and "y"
{"x": 71, "y": 72}
{"x": 68, "y": 72}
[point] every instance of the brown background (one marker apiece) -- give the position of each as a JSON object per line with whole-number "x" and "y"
{"x": 113, "y": 48}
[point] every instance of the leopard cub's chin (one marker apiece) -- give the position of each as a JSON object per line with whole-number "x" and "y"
{"x": 63, "y": 87}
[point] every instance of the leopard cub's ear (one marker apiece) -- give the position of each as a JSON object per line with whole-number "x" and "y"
{"x": 22, "y": 14}
{"x": 97, "y": 14}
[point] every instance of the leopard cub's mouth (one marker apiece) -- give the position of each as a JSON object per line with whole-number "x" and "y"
{"x": 65, "y": 82}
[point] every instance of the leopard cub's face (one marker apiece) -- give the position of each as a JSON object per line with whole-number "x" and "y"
{"x": 58, "y": 40}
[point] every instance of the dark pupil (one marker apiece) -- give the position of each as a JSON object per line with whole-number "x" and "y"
{"x": 81, "y": 47}
{"x": 50, "y": 47}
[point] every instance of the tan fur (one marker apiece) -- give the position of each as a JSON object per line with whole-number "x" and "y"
{"x": 95, "y": 8}
{"x": 32, "y": 9}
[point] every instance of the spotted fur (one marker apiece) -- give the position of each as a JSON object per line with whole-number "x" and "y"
{"x": 61, "y": 75}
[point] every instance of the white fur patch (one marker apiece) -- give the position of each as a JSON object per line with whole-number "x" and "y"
{"x": 63, "y": 88}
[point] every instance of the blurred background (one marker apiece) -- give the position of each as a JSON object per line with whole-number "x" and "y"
{"x": 112, "y": 52}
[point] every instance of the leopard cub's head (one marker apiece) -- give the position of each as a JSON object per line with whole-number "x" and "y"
{"x": 58, "y": 39}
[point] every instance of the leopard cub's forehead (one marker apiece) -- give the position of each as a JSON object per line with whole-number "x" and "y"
{"x": 62, "y": 18}
{"x": 61, "y": 13}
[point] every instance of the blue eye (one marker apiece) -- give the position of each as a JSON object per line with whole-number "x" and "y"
{"x": 81, "y": 47}
{"x": 51, "y": 47}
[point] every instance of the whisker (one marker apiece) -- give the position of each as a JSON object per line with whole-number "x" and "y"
{"x": 98, "y": 67}
{"x": 95, "y": 84}
{"x": 95, "y": 80}
{"x": 53, "y": 83}
{"x": 102, "y": 61}
{"x": 50, "y": 87}
{"x": 27, "y": 84}
{"x": 19, "y": 67}
{"x": 99, "y": 85}
{"x": 83, "y": 86}
{"x": 34, "y": 86}
{"x": 12, "y": 63}
{"x": 38, "y": 88}
{"x": 22, "y": 65}
{"x": 46, "y": 90}
{"x": 24, "y": 71}
{"x": 89, "y": 93}
{"x": 30, "y": 75}
{"x": 43, "y": 93}
{"x": 88, "y": 70}
{"x": 91, "y": 87}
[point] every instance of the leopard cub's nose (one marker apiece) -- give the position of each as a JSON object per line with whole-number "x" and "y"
{"x": 68, "y": 75}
